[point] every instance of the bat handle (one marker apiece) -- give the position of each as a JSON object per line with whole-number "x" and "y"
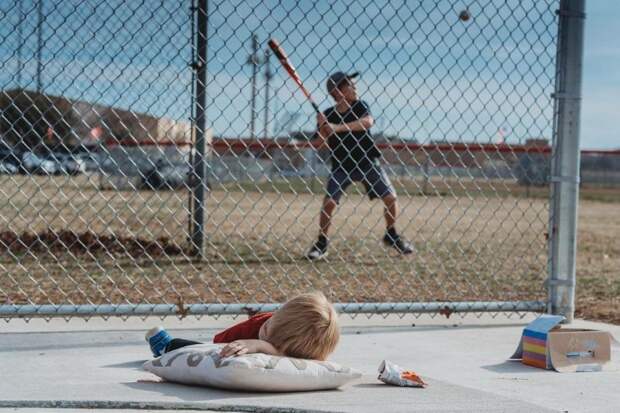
{"x": 316, "y": 107}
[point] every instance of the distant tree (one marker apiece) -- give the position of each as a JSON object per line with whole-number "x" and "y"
{"x": 28, "y": 117}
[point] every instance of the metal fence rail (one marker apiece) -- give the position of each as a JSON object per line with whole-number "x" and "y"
{"x": 156, "y": 160}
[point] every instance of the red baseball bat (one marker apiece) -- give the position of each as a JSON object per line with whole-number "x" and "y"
{"x": 283, "y": 58}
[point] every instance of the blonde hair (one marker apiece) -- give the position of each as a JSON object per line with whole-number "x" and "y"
{"x": 305, "y": 327}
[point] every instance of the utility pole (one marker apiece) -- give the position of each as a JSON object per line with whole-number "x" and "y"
{"x": 268, "y": 77}
{"x": 199, "y": 182}
{"x": 20, "y": 44}
{"x": 253, "y": 60}
{"x": 39, "y": 42}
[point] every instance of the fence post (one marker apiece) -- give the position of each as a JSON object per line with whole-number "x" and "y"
{"x": 565, "y": 159}
{"x": 199, "y": 176}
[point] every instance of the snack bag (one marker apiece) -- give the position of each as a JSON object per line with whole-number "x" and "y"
{"x": 390, "y": 373}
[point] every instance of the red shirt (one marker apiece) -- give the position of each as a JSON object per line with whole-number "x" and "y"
{"x": 244, "y": 330}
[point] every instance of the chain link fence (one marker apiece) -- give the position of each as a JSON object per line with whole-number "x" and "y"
{"x": 156, "y": 159}
{"x": 600, "y": 169}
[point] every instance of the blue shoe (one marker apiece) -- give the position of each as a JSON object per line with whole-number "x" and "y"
{"x": 158, "y": 339}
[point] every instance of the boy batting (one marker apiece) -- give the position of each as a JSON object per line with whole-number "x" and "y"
{"x": 345, "y": 128}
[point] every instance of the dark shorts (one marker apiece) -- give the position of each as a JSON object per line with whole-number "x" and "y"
{"x": 373, "y": 177}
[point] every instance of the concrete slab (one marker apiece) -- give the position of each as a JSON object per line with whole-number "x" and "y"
{"x": 98, "y": 410}
{"x": 463, "y": 359}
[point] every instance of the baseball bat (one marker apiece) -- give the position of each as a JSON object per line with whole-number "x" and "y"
{"x": 290, "y": 69}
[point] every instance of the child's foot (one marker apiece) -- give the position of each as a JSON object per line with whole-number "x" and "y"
{"x": 158, "y": 340}
{"x": 317, "y": 252}
{"x": 399, "y": 244}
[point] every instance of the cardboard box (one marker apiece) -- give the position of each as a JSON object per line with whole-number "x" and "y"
{"x": 546, "y": 345}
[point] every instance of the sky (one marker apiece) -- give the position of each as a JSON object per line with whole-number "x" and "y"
{"x": 425, "y": 74}
{"x": 601, "y": 76}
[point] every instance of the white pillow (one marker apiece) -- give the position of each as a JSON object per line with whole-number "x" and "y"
{"x": 202, "y": 365}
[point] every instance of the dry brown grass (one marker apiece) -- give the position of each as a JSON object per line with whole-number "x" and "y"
{"x": 598, "y": 261}
{"x": 488, "y": 246}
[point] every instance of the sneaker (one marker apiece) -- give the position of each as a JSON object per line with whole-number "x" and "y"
{"x": 399, "y": 244}
{"x": 158, "y": 340}
{"x": 317, "y": 252}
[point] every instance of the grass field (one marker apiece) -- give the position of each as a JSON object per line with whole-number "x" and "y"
{"x": 473, "y": 242}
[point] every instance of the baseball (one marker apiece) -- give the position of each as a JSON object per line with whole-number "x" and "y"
{"x": 464, "y": 15}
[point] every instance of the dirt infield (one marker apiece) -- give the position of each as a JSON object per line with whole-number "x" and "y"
{"x": 483, "y": 246}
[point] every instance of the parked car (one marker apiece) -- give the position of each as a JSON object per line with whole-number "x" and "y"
{"x": 7, "y": 168}
{"x": 10, "y": 159}
{"x": 533, "y": 169}
{"x": 66, "y": 163}
{"x": 36, "y": 164}
{"x": 90, "y": 161}
{"x": 166, "y": 176}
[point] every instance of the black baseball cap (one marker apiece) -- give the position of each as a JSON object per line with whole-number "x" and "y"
{"x": 337, "y": 78}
